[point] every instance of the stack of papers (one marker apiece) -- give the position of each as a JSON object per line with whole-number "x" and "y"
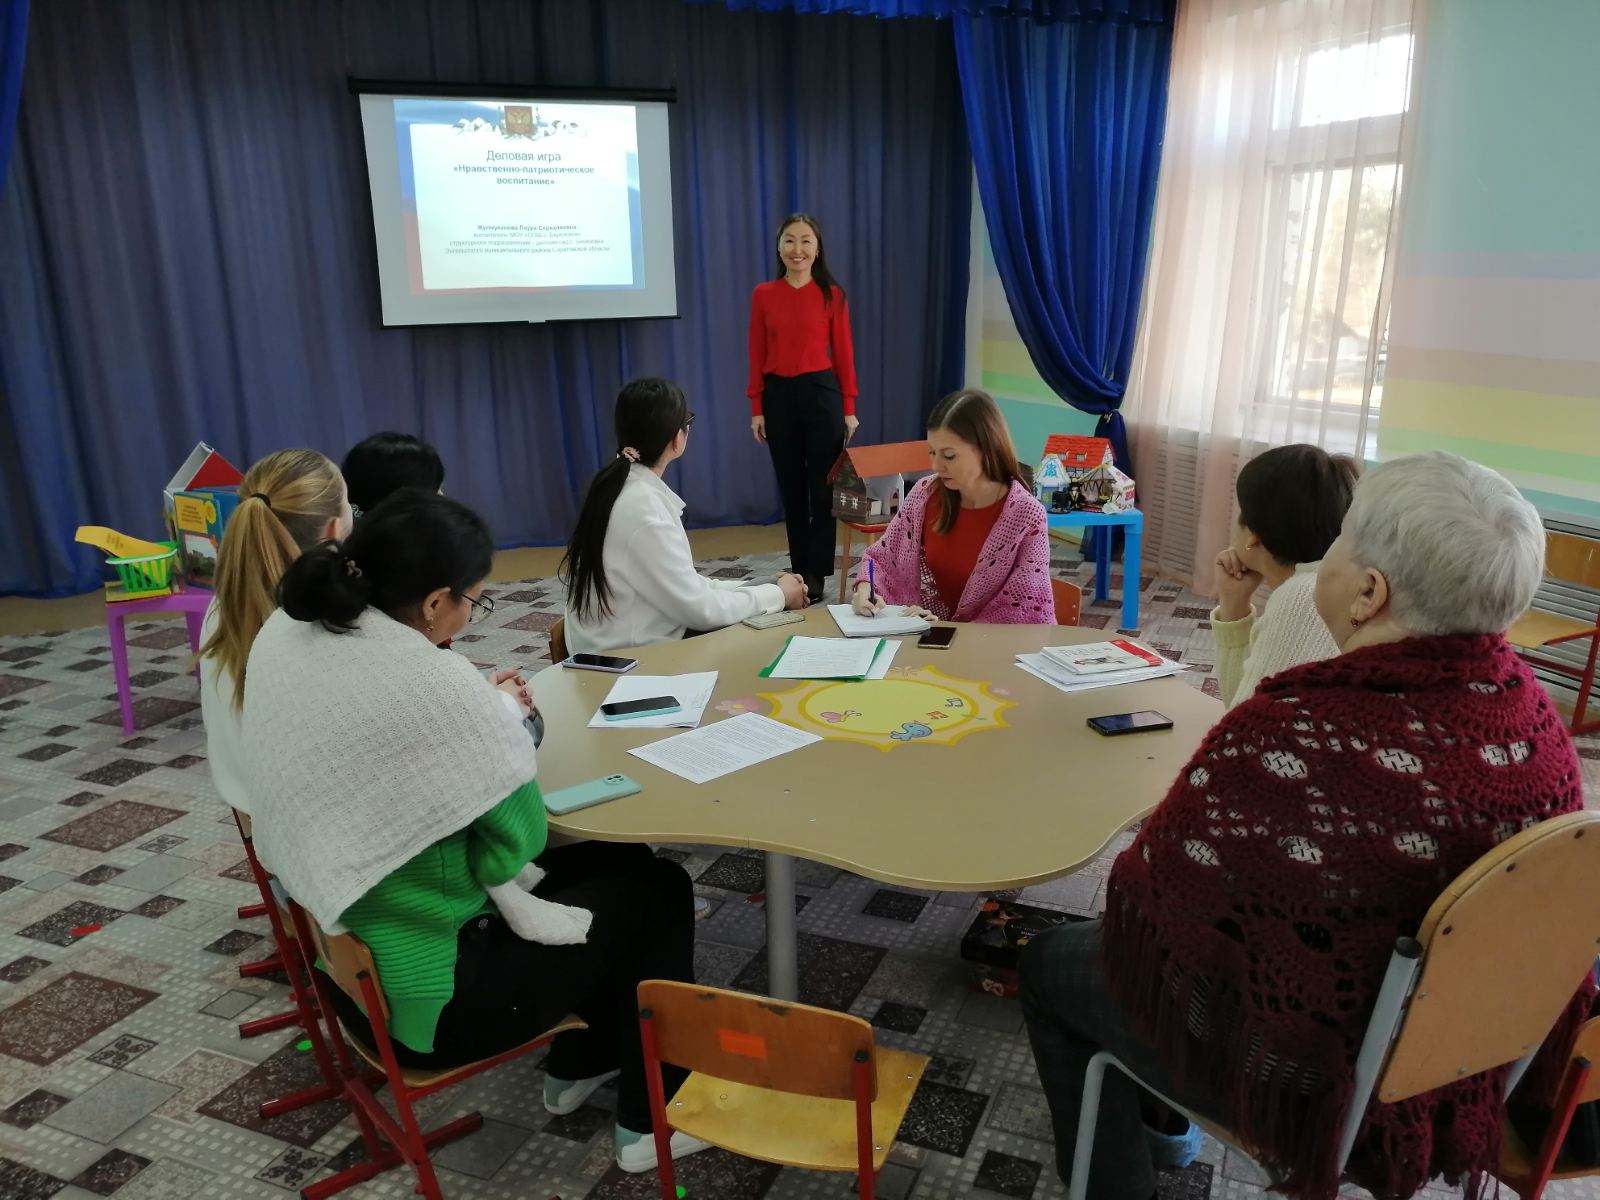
{"x": 1102, "y": 658}
{"x": 1049, "y": 666}
{"x": 826, "y": 658}
{"x": 724, "y": 747}
{"x": 890, "y": 622}
{"x": 692, "y": 692}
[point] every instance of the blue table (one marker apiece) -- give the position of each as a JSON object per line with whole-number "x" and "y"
{"x": 1132, "y": 550}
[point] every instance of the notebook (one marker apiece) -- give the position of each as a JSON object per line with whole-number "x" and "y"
{"x": 891, "y": 622}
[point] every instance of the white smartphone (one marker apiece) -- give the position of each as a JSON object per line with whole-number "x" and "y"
{"x": 609, "y": 663}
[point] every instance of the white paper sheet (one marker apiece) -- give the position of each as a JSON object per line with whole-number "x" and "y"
{"x": 693, "y": 693}
{"x": 880, "y": 665}
{"x": 891, "y": 622}
{"x": 1041, "y": 668}
{"x": 824, "y": 658}
{"x": 724, "y": 747}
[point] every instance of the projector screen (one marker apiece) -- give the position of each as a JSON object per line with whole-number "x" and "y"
{"x": 507, "y": 205}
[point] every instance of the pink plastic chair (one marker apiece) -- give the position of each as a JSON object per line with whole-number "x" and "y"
{"x": 192, "y": 604}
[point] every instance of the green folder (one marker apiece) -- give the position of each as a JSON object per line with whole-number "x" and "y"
{"x": 766, "y": 671}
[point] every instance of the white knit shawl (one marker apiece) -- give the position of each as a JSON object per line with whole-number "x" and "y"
{"x": 366, "y": 748}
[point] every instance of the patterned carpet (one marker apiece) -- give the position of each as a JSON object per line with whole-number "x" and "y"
{"x": 122, "y": 1072}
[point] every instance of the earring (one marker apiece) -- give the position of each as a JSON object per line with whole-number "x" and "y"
{"x": 1355, "y": 622}
{"x": 429, "y": 627}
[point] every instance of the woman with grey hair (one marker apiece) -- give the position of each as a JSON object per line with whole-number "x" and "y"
{"x": 1248, "y": 927}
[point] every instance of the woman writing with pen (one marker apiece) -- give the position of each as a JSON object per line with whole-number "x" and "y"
{"x": 970, "y": 543}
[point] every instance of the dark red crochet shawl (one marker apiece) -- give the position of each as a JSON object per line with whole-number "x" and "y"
{"x": 1249, "y": 926}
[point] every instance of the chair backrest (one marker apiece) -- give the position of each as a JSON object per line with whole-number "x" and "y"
{"x": 344, "y": 958}
{"x": 1587, "y": 1045}
{"x": 1572, "y": 559}
{"x": 1504, "y": 949}
{"x": 558, "y": 640}
{"x": 757, "y": 1040}
{"x": 1068, "y": 601}
{"x": 246, "y": 826}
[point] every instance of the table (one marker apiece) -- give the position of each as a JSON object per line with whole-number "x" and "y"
{"x": 1132, "y": 553}
{"x": 191, "y": 603}
{"x": 1036, "y": 796}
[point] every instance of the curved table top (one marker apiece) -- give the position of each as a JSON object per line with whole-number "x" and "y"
{"x": 1001, "y": 808}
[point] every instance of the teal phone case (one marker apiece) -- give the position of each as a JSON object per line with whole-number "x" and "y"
{"x": 586, "y": 795}
{"x": 654, "y": 712}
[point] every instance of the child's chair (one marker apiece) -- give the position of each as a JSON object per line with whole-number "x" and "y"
{"x": 1068, "y": 599}
{"x": 1526, "y": 1170}
{"x": 785, "y": 1083}
{"x": 348, "y": 961}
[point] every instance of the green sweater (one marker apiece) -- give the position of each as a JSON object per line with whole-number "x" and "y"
{"x": 411, "y": 918}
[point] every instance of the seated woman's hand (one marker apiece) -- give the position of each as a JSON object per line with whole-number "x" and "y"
{"x": 794, "y": 590}
{"x": 513, "y": 685}
{"x": 864, "y": 603}
{"x": 913, "y": 610}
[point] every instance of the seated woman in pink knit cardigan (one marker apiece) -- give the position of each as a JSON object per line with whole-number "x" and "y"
{"x": 969, "y": 542}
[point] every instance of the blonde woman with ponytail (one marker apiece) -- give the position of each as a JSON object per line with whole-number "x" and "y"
{"x": 289, "y": 501}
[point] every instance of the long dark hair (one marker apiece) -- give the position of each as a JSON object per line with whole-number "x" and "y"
{"x": 650, "y": 412}
{"x": 975, "y": 418}
{"x": 819, "y": 269}
{"x": 411, "y": 545}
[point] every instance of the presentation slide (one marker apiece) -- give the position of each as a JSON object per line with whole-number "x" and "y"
{"x": 496, "y": 208}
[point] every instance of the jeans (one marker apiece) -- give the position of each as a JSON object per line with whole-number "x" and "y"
{"x": 1071, "y": 1017}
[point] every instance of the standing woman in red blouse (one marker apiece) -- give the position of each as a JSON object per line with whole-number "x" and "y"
{"x": 803, "y": 390}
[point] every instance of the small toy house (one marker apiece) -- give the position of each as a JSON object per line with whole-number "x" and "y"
{"x": 1068, "y": 460}
{"x": 1105, "y": 489}
{"x": 198, "y": 501}
{"x": 868, "y": 481}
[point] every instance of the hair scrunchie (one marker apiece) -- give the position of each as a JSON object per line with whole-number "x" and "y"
{"x": 261, "y": 496}
{"x": 350, "y": 568}
{"x": 629, "y": 453}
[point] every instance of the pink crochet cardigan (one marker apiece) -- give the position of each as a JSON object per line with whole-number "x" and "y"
{"x": 1010, "y": 585}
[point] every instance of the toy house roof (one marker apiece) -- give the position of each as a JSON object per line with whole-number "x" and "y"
{"x": 893, "y": 458}
{"x": 1076, "y": 450}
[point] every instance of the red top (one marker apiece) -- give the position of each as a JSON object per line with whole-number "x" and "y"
{"x": 952, "y": 556}
{"x": 790, "y": 333}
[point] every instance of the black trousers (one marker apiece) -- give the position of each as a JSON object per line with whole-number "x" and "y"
{"x": 805, "y": 435}
{"x": 508, "y": 990}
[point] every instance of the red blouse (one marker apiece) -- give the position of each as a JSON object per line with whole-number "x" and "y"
{"x": 952, "y": 556}
{"x": 791, "y": 331}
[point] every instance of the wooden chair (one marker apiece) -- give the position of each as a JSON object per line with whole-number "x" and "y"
{"x": 1526, "y": 1172}
{"x": 1576, "y": 560}
{"x": 1068, "y": 601}
{"x": 347, "y": 961}
{"x": 558, "y": 640}
{"x": 1495, "y": 963}
{"x": 288, "y": 958}
{"x": 785, "y": 1083}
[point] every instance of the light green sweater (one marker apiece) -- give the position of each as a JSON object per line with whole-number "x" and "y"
{"x": 411, "y": 918}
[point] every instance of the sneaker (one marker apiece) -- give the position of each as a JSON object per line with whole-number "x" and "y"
{"x": 1176, "y": 1150}
{"x": 636, "y": 1152}
{"x": 563, "y": 1096}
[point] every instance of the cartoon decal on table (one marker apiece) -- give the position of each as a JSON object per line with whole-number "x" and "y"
{"x": 919, "y": 705}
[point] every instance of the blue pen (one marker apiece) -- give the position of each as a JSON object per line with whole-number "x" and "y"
{"x": 872, "y": 582}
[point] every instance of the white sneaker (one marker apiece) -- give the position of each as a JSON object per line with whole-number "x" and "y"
{"x": 563, "y": 1096}
{"x": 636, "y": 1152}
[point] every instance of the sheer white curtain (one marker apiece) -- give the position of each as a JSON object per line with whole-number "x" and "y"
{"x": 1267, "y": 300}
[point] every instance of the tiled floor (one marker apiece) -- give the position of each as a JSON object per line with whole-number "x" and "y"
{"x": 122, "y": 1072}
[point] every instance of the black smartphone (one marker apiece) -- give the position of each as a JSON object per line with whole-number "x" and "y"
{"x": 1134, "y": 722}
{"x": 650, "y": 706}
{"x": 937, "y": 638}
{"x": 601, "y": 662}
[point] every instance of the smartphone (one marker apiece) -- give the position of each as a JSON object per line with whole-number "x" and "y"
{"x": 601, "y": 662}
{"x": 1135, "y": 722}
{"x": 772, "y": 620}
{"x": 585, "y": 795}
{"x": 650, "y": 706}
{"x": 937, "y": 638}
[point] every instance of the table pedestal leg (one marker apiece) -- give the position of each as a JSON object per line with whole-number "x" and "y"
{"x": 783, "y": 972}
{"x": 1132, "y": 554}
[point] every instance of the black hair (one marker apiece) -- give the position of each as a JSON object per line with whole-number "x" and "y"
{"x": 819, "y": 269}
{"x": 1294, "y": 499}
{"x": 385, "y": 462}
{"x": 412, "y": 544}
{"x": 650, "y": 412}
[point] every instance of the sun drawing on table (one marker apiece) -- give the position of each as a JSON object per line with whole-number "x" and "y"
{"x": 919, "y": 706}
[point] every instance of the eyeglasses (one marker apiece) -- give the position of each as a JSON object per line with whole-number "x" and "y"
{"x": 482, "y": 608}
{"x": 688, "y": 423}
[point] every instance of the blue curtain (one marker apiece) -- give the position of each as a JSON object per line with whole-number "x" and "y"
{"x": 1146, "y": 11}
{"x": 13, "y": 42}
{"x": 1066, "y": 122}
{"x": 187, "y": 250}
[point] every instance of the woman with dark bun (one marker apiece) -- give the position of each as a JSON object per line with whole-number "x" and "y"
{"x": 393, "y": 791}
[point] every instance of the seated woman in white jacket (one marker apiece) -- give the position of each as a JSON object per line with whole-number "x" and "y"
{"x": 630, "y": 576}
{"x": 1292, "y": 501}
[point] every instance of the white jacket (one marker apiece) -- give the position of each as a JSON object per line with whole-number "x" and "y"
{"x": 224, "y": 724}
{"x": 656, "y": 594}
